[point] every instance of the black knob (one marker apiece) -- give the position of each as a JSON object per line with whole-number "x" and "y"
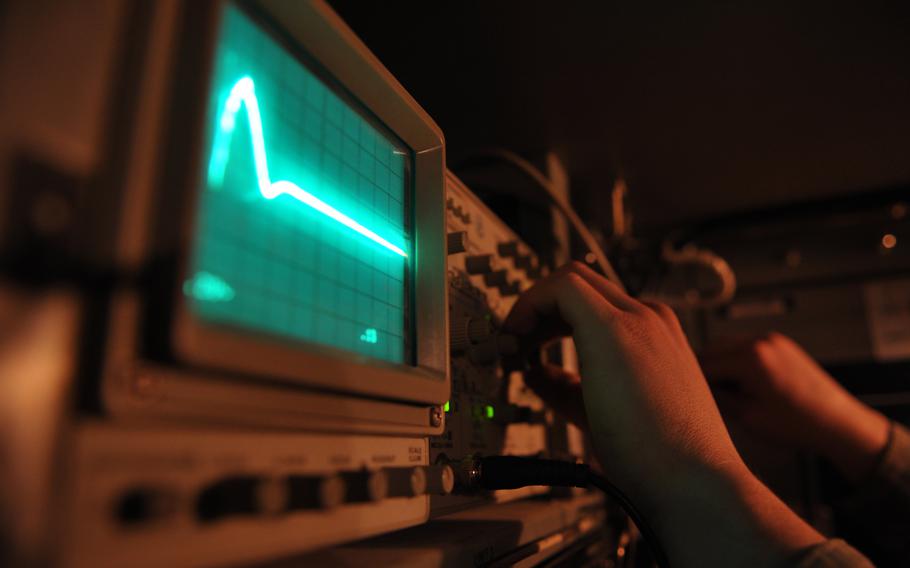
{"x": 465, "y": 332}
{"x": 315, "y": 492}
{"x": 239, "y": 495}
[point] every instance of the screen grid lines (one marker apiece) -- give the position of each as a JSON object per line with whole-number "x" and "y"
{"x": 276, "y": 265}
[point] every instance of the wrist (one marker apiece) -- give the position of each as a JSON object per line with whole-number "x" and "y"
{"x": 726, "y": 516}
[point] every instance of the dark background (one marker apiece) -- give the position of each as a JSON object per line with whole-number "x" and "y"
{"x": 705, "y": 109}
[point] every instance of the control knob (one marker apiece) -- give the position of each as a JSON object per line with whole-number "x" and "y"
{"x": 469, "y": 331}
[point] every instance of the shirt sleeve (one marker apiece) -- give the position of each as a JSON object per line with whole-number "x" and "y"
{"x": 875, "y": 517}
{"x": 894, "y": 468}
{"x": 833, "y": 553}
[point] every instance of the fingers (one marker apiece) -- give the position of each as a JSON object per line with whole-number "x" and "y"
{"x": 730, "y": 361}
{"x": 666, "y": 314}
{"x": 545, "y": 309}
{"x": 609, "y": 290}
{"x": 561, "y": 389}
{"x": 562, "y": 302}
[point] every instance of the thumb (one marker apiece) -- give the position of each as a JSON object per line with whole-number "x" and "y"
{"x": 560, "y": 389}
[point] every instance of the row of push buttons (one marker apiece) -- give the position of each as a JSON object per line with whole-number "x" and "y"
{"x": 240, "y": 495}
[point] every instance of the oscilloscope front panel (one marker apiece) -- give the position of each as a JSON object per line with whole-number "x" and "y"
{"x": 490, "y": 411}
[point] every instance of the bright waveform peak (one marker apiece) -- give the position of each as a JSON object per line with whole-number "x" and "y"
{"x": 243, "y": 93}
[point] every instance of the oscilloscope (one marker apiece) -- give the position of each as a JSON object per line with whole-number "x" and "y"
{"x": 333, "y": 270}
{"x": 292, "y": 332}
{"x": 308, "y": 241}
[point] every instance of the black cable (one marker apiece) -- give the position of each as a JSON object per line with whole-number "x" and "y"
{"x": 513, "y": 472}
{"x": 647, "y": 533}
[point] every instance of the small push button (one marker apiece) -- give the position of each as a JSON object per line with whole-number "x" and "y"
{"x": 365, "y": 486}
{"x": 440, "y": 479}
{"x": 406, "y": 481}
{"x": 240, "y": 495}
{"x": 145, "y": 504}
{"x": 315, "y": 492}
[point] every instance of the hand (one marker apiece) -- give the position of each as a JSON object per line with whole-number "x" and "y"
{"x": 774, "y": 388}
{"x": 653, "y": 421}
{"x": 642, "y": 390}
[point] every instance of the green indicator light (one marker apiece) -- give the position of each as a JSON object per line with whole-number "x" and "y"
{"x": 369, "y": 336}
{"x": 207, "y": 287}
{"x": 445, "y": 407}
{"x": 243, "y": 93}
{"x": 489, "y": 411}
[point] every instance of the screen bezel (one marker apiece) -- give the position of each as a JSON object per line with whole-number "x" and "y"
{"x": 315, "y": 30}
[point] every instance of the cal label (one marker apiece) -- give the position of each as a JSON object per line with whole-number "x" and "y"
{"x": 888, "y": 314}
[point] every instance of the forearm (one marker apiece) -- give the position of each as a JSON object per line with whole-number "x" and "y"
{"x": 727, "y": 518}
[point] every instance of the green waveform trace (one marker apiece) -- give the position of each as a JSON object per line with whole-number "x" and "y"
{"x": 243, "y": 94}
{"x": 208, "y": 287}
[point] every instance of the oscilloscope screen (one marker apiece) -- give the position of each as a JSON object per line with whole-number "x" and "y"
{"x": 302, "y": 227}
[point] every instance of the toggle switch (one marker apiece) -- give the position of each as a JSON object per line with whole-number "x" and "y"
{"x": 314, "y": 492}
{"x": 510, "y": 288}
{"x": 496, "y": 278}
{"x": 508, "y": 248}
{"x": 479, "y": 263}
{"x": 524, "y": 262}
{"x": 456, "y": 242}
